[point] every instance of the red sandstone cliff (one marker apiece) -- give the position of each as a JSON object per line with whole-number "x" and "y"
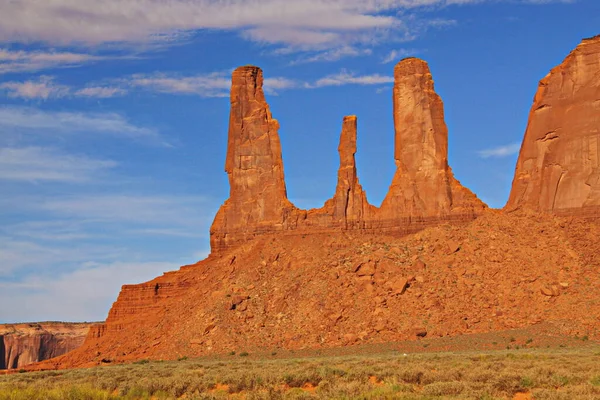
{"x": 558, "y": 169}
{"x": 23, "y": 344}
{"x": 258, "y": 199}
{"x": 423, "y": 184}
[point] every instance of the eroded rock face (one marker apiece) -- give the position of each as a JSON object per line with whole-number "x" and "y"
{"x": 558, "y": 169}
{"x": 23, "y": 344}
{"x": 348, "y": 207}
{"x": 258, "y": 199}
{"x": 423, "y": 193}
{"x": 423, "y": 184}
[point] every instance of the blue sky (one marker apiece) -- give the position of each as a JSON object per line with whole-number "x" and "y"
{"x": 113, "y": 119}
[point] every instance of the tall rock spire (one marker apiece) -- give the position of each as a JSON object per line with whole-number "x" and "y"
{"x": 253, "y": 164}
{"x": 349, "y": 206}
{"x": 558, "y": 169}
{"x": 423, "y": 184}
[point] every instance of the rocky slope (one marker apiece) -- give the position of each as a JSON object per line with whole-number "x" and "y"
{"x": 23, "y": 344}
{"x": 333, "y": 289}
{"x": 431, "y": 261}
{"x": 559, "y": 164}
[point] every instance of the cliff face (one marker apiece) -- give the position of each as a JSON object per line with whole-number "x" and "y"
{"x": 423, "y": 184}
{"x": 558, "y": 169}
{"x": 23, "y": 344}
{"x": 423, "y": 193}
{"x": 257, "y": 200}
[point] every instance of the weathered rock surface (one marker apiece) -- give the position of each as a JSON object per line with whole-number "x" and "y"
{"x": 423, "y": 184}
{"x": 23, "y": 344}
{"x": 258, "y": 199}
{"x": 558, "y": 169}
{"x": 349, "y": 207}
{"x": 424, "y": 191}
{"x": 297, "y": 292}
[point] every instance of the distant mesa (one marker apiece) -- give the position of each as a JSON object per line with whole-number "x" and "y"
{"x": 24, "y": 344}
{"x": 423, "y": 192}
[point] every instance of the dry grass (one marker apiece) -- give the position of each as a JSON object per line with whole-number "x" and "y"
{"x": 545, "y": 374}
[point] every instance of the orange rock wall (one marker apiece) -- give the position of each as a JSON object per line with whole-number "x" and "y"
{"x": 23, "y": 344}
{"x": 558, "y": 169}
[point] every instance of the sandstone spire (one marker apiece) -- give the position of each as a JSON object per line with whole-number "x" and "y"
{"x": 558, "y": 169}
{"x": 349, "y": 206}
{"x": 253, "y": 164}
{"x": 423, "y": 184}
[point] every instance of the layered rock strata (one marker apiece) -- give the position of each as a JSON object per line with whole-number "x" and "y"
{"x": 423, "y": 193}
{"x": 558, "y": 169}
{"x": 23, "y": 344}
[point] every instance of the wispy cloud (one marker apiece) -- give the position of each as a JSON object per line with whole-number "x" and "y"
{"x": 80, "y": 249}
{"x": 102, "y": 92}
{"x": 84, "y": 294}
{"x": 397, "y": 55}
{"x": 207, "y": 85}
{"x": 500, "y": 151}
{"x": 30, "y": 61}
{"x": 44, "y": 88}
{"x": 47, "y": 164}
{"x": 155, "y": 211}
{"x": 316, "y": 24}
{"x": 333, "y": 55}
{"x": 349, "y": 78}
{"x": 27, "y": 120}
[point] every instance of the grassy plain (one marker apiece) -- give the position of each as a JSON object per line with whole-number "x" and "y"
{"x": 540, "y": 374}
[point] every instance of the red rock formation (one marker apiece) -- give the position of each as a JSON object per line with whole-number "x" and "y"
{"x": 280, "y": 277}
{"x": 23, "y": 344}
{"x": 558, "y": 169}
{"x": 338, "y": 288}
{"x": 258, "y": 199}
{"x": 423, "y": 184}
{"x": 348, "y": 207}
{"x": 424, "y": 191}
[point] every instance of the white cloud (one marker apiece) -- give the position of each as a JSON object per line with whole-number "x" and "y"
{"x": 45, "y": 88}
{"x": 333, "y": 55}
{"x": 102, "y": 92}
{"x": 29, "y": 61}
{"x": 84, "y": 294}
{"x": 302, "y": 23}
{"x": 42, "y": 88}
{"x": 397, "y": 55}
{"x": 208, "y": 85}
{"x": 348, "y": 78}
{"x": 153, "y": 211}
{"x": 37, "y": 122}
{"x": 500, "y": 151}
{"x": 46, "y": 164}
